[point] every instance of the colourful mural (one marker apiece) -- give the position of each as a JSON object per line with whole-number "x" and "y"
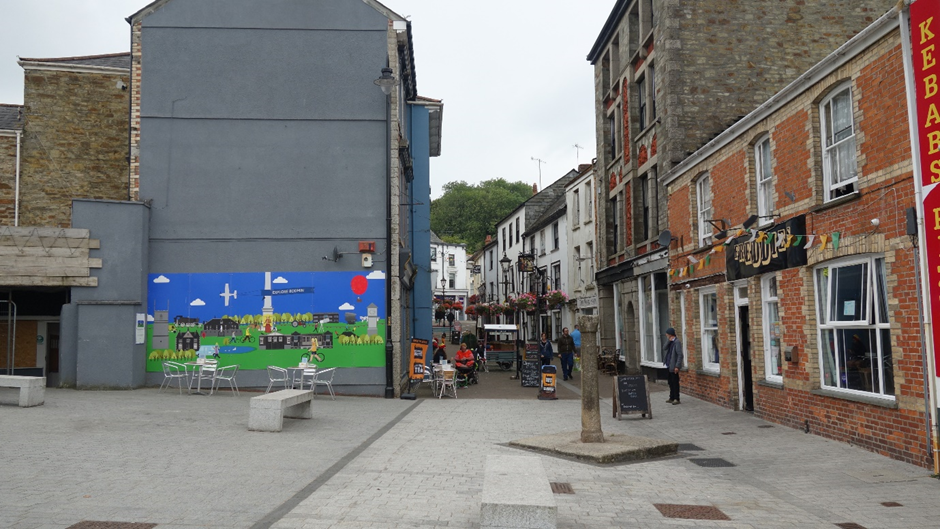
{"x": 259, "y": 319}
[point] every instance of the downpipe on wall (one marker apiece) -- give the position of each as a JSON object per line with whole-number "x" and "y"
{"x": 389, "y": 345}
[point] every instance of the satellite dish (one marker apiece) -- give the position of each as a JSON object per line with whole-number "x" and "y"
{"x": 665, "y": 238}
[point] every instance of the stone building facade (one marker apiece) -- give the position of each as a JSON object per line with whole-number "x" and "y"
{"x": 669, "y": 76}
{"x": 75, "y": 135}
{"x": 805, "y": 310}
{"x": 11, "y": 137}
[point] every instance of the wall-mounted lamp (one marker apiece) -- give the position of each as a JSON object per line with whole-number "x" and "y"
{"x": 387, "y": 81}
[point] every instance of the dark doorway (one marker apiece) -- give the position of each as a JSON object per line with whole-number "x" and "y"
{"x": 747, "y": 378}
{"x": 52, "y": 351}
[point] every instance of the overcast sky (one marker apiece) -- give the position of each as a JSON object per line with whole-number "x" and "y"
{"x": 512, "y": 73}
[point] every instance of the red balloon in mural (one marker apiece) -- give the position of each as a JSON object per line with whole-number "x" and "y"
{"x": 359, "y": 284}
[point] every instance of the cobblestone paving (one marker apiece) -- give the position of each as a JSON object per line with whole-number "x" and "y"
{"x": 189, "y": 461}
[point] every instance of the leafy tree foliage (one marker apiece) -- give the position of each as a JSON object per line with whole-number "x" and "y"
{"x": 468, "y": 213}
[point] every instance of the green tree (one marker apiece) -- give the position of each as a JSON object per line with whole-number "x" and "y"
{"x": 468, "y": 213}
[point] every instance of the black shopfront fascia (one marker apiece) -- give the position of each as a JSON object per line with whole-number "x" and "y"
{"x": 746, "y": 258}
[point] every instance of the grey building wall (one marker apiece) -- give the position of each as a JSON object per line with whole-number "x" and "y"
{"x": 99, "y": 325}
{"x": 263, "y": 140}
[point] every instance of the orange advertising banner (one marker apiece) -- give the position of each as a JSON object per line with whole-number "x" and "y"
{"x": 418, "y": 356}
{"x": 925, "y": 39}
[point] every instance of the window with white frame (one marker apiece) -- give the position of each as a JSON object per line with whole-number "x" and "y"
{"x": 765, "y": 182}
{"x": 612, "y": 132}
{"x": 838, "y": 144}
{"x": 556, "y": 275}
{"x": 433, "y": 253}
{"x": 504, "y": 239}
{"x": 704, "y": 198}
{"x": 588, "y": 203}
{"x": 708, "y": 305}
{"x": 510, "y": 235}
{"x": 452, "y": 280}
{"x": 577, "y": 261}
{"x": 773, "y": 353}
{"x": 542, "y": 242}
{"x": 491, "y": 259}
{"x": 854, "y": 331}
{"x": 518, "y": 231}
{"x": 555, "y": 235}
{"x": 654, "y": 316}
{"x": 450, "y": 260}
{"x": 576, "y": 202}
{"x": 590, "y": 256}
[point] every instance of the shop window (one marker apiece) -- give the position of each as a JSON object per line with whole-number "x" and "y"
{"x": 854, "y": 331}
{"x": 708, "y": 305}
{"x": 773, "y": 365}
{"x": 765, "y": 182}
{"x": 654, "y": 316}
{"x": 704, "y": 201}
{"x": 840, "y": 167}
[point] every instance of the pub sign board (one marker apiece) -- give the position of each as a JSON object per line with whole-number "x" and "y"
{"x": 746, "y": 256}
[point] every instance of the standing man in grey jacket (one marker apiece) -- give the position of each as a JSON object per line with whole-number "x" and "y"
{"x": 673, "y": 359}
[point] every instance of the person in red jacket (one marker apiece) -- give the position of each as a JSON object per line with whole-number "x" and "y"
{"x": 465, "y": 364}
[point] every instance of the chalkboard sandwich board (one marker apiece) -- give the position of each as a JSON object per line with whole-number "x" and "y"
{"x": 632, "y": 395}
{"x": 531, "y": 376}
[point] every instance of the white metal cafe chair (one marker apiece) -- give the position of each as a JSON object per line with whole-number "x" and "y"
{"x": 171, "y": 371}
{"x": 324, "y": 377}
{"x": 227, "y": 374}
{"x": 277, "y": 374}
{"x": 309, "y": 374}
{"x": 448, "y": 379}
{"x": 205, "y": 372}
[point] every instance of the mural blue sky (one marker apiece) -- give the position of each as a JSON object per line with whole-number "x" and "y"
{"x": 203, "y": 295}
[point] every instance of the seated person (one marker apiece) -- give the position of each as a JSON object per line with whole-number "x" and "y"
{"x": 465, "y": 364}
{"x": 439, "y": 355}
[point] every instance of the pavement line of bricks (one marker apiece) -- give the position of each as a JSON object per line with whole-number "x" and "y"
{"x": 304, "y": 493}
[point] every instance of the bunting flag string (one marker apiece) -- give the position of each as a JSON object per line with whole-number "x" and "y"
{"x": 781, "y": 242}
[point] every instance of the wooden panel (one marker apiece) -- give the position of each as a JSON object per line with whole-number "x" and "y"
{"x": 39, "y": 281}
{"x": 26, "y": 332}
{"x": 38, "y": 251}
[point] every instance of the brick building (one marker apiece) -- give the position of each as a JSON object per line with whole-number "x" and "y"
{"x": 669, "y": 76}
{"x": 798, "y": 300}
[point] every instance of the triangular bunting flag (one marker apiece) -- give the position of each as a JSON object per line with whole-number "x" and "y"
{"x": 701, "y": 264}
{"x": 770, "y": 238}
{"x": 693, "y": 260}
{"x": 798, "y": 240}
{"x": 789, "y": 242}
{"x": 809, "y": 240}
{"x": 720, "y": 248}
{"x": 753, "y": 235}
{"x": 823, "y": 239}
{"x": 761, "y": 236}
{"x": 708, "y": 260}
{"x": 835, "y": 240}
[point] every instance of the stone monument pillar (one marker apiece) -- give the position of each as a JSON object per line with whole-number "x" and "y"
{"x": 590, "y": 399}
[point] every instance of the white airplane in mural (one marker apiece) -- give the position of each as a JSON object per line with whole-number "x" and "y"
{"x": 228, "y": 294}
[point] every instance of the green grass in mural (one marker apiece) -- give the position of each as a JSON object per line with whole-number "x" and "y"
{"x": 353, "y": 349}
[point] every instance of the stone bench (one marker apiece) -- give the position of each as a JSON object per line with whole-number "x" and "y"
{"x": 32, "y": 389}
{"x": 267, "y": 412}
{"x": 516, "y": 493}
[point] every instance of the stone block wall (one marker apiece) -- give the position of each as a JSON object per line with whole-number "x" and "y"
{"x": 7, "y": 179}
{"x": 74, "y": 145}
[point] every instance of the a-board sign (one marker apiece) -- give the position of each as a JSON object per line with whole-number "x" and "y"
{"x": 547, "y": 391}
{"x": 631, "y": 395}
{"x": 530, "y": 375}
{"x": 417, "y": 358}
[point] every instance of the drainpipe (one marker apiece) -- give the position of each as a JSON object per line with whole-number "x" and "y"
{"x": 389, "y": 346}
{"x": 16, "y": 189}
{"x": 927, "y": 345}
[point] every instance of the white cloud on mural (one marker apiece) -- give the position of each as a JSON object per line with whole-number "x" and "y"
{"x": 279, "y": 281}
{"x": 346, "y": 306}
{"x": 149, "y": 318}
{"x": 161, "y": 279}
{"x": 197, "y": 303}
{"x": 378, "y": 274}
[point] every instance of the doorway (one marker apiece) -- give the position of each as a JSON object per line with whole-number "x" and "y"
{"x": 744, "y": 326}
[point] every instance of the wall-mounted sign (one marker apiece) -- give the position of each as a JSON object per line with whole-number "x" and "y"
{"x": 587, "y": 302}
{"x": 749, "y": 256}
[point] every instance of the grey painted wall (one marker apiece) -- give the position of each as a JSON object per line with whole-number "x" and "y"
{"x": 264, "y": 141}
{"x": 103, "y": 352}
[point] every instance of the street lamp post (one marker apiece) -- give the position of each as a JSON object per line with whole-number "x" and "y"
{"x": 443, "y": 294}
{"x": 505, "y": 263}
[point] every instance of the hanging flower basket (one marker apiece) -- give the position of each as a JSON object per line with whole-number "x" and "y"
{"x": 555, "y": 299}
{"x": 526, "y": 302}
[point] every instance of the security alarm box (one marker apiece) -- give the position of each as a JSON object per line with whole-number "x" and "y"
{"x": 367, "y": 246}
